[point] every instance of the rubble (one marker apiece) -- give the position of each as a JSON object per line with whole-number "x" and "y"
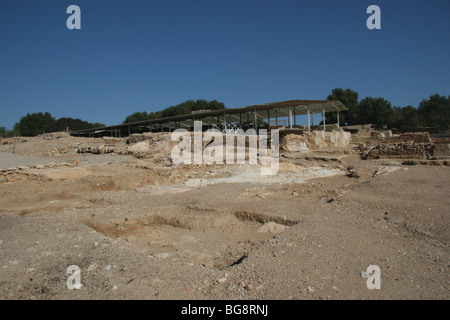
{"x": 100, "y": 149}
{"x": 334, "y": 138}
{"x": 54, "y": 135}
{"x": 303, "y": 141}
{"x": 296, "y": 142}
{"x": 271, "y": 227}
{"x": 150, "y": 136}
{"x": 139, "y": 147}
{"x": 416, "y": 137}
{"x": 402, "y": 150}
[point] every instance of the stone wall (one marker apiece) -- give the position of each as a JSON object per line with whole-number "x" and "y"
{"x": 147, "y": 136}
{"x": 441, "y": 151}
{"x": 296, "y": 142}
{"x": 416, "y": 137}
{"x": 334, "y": 138}
{"x": 411, "y": 145}
{"x": 402, "y": 150}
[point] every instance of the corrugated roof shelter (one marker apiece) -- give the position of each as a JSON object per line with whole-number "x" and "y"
{"x": 242, "y": 115}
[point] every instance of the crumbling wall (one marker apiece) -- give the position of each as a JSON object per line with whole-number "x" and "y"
{"x": 148, "y": 142}
{"x": 441, "y": 151}
{"x": 147, "y": 136}
{"x": 54, "y": 135}
{"x": 100, "y": 149}
{"x": 410, "y": 145}
{"x": 334, "y": 138}
{"x": 416, "y": 137}
{"x": 402, "y": 150}
{"x": 316, "y": 139}
{"x": 296, "y": 142}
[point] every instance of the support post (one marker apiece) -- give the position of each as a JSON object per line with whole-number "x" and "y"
{"x": 290, "y": 119}
{"x": 295, "y": 118}
{"x": 324, "y": 120}
{"x": 309, "y": 122}
{"x": 276, "y": 118}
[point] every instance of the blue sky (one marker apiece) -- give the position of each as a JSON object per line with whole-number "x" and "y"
{"x": 140, "y": 55}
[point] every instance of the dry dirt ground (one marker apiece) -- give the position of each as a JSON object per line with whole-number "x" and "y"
{"x": 143, "y": 228}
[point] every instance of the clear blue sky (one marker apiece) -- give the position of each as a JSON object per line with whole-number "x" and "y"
{"x": 141, "y": 55}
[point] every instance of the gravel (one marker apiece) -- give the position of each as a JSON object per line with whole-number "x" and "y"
{"x": 11, "y": 160}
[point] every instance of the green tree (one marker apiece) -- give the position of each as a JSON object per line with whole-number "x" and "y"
{"x": 5, "y": 133}
{"x": 377, "y": 111}
{"x": 183, "y": 108}
{"x": 34, "y": 124}
{"x": 411, "y": 117}
{"x": 97, "y": 125}
{"x": 396, "y": 119}
{"x": 435, "y": 112}
{"x": 350, "y": 99}
{"x": 137, "y": 116}
{"x": 216, "y": 105}
{"x": 73, "y": 124}
{"x": 404, "y": 118}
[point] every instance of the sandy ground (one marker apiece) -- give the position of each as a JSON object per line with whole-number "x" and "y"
{"x": 142, "y": 228}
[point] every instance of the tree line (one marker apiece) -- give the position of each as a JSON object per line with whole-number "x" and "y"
{"x": 433, "y": 112}
{"x": 38, "y": 123}
{"x": 180, "y": 109}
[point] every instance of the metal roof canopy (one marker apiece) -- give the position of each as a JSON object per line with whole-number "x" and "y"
{"x": 262, "y": 111}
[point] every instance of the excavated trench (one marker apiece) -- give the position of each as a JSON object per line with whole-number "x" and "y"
{"x": 214, "y": 239}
